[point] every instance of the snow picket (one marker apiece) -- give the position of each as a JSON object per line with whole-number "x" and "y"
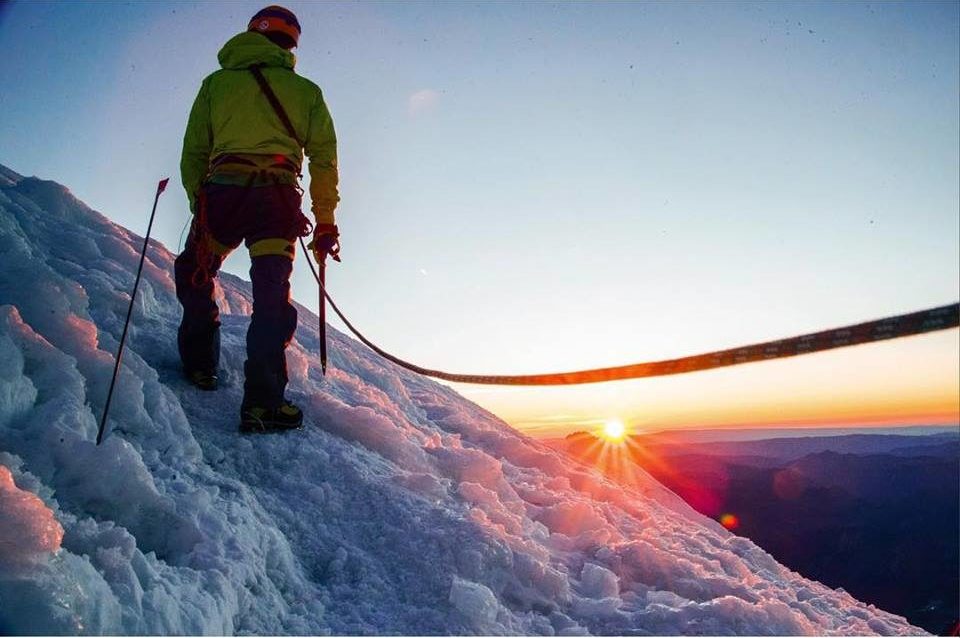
{"x": 400, "y": 508}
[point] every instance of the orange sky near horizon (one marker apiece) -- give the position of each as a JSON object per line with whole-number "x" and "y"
{"x": 911, "y": 381}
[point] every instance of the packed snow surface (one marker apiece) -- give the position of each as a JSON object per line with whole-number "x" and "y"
{"x": 401, "y": 507}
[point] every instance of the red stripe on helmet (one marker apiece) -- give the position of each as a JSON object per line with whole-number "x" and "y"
{"x": 274, "y": 19}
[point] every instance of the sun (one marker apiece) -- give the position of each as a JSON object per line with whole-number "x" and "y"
{"x": 614, "y": 430}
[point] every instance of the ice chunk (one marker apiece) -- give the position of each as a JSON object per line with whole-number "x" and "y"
{"x": 599, "y": 582}
{"x": 600, "y": 609}
{"x": 469, "y": 465}
{"x": 572, "y": 518}
{"x": 29, "y": 529}
{"x": 475, "y": 601}
{"x": 64, "y": 597}
{"x": 17, "y": 393}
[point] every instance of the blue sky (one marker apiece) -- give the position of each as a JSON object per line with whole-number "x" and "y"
{"x": 539, "y": 186}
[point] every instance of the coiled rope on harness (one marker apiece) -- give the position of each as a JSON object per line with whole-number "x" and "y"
{"x": 913, "y": 323}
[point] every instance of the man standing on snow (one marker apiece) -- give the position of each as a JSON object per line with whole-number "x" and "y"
{"x": 242, "y": 153}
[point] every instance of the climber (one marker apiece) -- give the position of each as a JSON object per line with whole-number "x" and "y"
{"x": 242, "y": 153}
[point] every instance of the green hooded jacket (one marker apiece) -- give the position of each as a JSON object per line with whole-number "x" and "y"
{"x": 231, "y": 115}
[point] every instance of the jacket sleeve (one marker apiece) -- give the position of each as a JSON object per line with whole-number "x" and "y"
{"x": 197, "y": 145}
{"x": 321, "y": 149}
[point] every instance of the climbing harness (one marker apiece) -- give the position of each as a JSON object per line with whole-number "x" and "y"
{"x": 913, "y": 323}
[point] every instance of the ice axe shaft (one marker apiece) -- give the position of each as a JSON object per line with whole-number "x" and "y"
{"x": 320, "y": 276}
{"x": 322, "y": 269}
{"x": 126, "y": 324}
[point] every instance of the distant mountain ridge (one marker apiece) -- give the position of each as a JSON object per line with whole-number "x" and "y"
{"x": 795, "y": 448}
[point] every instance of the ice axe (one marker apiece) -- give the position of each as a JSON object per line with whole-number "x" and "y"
{"x": 322, "y": 312}
{"x": 320, "y": 274}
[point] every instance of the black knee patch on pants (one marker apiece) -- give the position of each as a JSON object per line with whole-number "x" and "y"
{"x": 198, "y": 338}
{"x": 271, "y": 328}
{"x": 199, "y": 346}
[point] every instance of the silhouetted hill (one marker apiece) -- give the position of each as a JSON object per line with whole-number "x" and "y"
{"x": 946, "y": 444}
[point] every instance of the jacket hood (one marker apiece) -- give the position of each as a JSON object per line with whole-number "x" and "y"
{"x": 250, "y": 47}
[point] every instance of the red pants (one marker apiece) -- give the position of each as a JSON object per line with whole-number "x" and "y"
{"x": 268, "y": 220}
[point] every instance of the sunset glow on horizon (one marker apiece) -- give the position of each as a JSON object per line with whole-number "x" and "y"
{"x": 915, "y": 381}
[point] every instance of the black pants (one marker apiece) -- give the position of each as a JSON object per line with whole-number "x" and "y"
{"x": 267, "y": 218}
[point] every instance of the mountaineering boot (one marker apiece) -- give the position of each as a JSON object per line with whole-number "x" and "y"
{"x": 254, "y": 419}
{"x": 203, "y": 379}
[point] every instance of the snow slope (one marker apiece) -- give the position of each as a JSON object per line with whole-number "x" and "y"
{"x": 400, "y": 508}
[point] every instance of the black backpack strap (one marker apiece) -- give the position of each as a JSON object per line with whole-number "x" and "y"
{"x": 274, "y": 102}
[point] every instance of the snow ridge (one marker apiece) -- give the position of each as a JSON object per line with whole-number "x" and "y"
{"x": 400, "y": 508}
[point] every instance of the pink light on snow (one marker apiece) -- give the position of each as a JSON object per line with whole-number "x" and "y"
{"x": 83, "y": 332}
{"x": 29, "y": 528}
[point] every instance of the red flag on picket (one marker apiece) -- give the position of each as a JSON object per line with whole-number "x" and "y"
{"x": 162, "y": 185}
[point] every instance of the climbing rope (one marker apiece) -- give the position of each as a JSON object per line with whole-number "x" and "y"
{"x": 913, "y": 323}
